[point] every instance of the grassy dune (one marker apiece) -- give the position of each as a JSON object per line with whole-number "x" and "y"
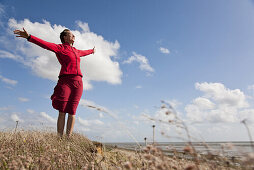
{"x": 45, "y": 150}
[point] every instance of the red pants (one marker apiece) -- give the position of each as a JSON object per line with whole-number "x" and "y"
{"x": 67, "y": 94}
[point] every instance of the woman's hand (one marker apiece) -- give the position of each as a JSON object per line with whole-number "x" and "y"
{"x": 94, "y": 50}
{"x": 20, "y": 33}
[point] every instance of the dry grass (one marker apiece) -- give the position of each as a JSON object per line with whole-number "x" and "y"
{"x": 45, "y": 150}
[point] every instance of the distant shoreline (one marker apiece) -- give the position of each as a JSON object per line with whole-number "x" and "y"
{"x": 228, "y": 149}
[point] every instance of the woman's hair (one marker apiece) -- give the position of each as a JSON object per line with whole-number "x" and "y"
{"x": 62, "y": 34}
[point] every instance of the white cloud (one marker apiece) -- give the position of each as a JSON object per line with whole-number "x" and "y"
{"x": 83, "y": 129}
{"x": 203, "y": 103}
{"x": 136, "y": 122}
{"x": 15, "y": 118}
{"x": 47, "y": 117}
{"x": 22, "y": 99}
{"x": 89, "y": 123}
{"x": 174, "y": 103}
{"x": 27, "y": 121}
{"x": 164, "y": 50}
{"x": 101, "y": 115}
{"x": 142, "y": 60}
{"x": 193, "y": 113}
{"x": 161, "y": 115}
{"x": 83, "y": 122}
{"x": 30, "y": 111}
{"x": 6, "y": 54}
{"x": 218, "y": 104}
{"x": 222, "y": 95}
{"x": 247, "y": 114}
{"x": 83, "y": 26}
{"x": 217, "y": 107}
{"x": 97, "y": 122}
{"x": 138, "y": 87}
{"x": 44, "y": 63}
{"x": 8, "y": 81}
{"x": 251, "y": 87}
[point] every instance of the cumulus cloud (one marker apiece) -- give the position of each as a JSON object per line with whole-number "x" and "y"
{"x": 164, "y": 50}
{"x": 83, "y": 26}
{"x": 15, "y": 118}
{"x": 48, "y": 117}
{"x": 247, "y": 114}
{"x": 142, "y": 60}
{"x": 220, "y": 94}
{"x": 22, "y": 99}
{"x": 43, "y": 63}
{"x": 174, "y": 103}
{"x": 164, "y": 118}
{"x": 29, "y": 120}
{"x": 90, "y": 122}
{"x": 203, "y": 103}
{"x": 218, "y": 104}
{"x": 8, "y": 81}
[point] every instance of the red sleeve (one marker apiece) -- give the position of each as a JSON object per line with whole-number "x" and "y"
{"x": 85, "y": 52}
{"x": 44, "y": 44}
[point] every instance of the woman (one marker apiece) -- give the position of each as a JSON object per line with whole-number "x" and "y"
{"x": 69, "y": 88}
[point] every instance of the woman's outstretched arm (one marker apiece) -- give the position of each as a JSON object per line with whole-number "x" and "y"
{"x": 44, "y": 44}
{"x": 86, "y": 52}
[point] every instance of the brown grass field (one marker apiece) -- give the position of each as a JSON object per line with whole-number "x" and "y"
{"x": 46, "y": 150}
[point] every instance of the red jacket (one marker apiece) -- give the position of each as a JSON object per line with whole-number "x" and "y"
{"x": 68, "y": 56}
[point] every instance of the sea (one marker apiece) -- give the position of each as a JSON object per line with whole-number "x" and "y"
{"x": 228, "y": 149}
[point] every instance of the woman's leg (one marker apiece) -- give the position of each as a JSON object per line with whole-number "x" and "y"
{"x": 60, "y": 123}
{"x": 70, "y": 124}
{"x": 76, "y": 85}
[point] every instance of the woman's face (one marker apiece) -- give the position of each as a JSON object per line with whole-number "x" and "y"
{"x": 69, "y": 38}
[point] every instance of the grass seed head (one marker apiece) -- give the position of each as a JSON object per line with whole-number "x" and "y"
{"x": 163, "y": 106}
{"x": 188, "y": 149}
{"x": 127, "y": 165}
{"x": 148, "y": 156}
{"x": 190, "y": 167}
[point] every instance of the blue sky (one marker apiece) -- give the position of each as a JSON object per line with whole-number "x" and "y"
{"x": 196, "y": 55}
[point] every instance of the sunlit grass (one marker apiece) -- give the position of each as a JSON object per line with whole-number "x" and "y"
{"x": 46, "y": 150}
